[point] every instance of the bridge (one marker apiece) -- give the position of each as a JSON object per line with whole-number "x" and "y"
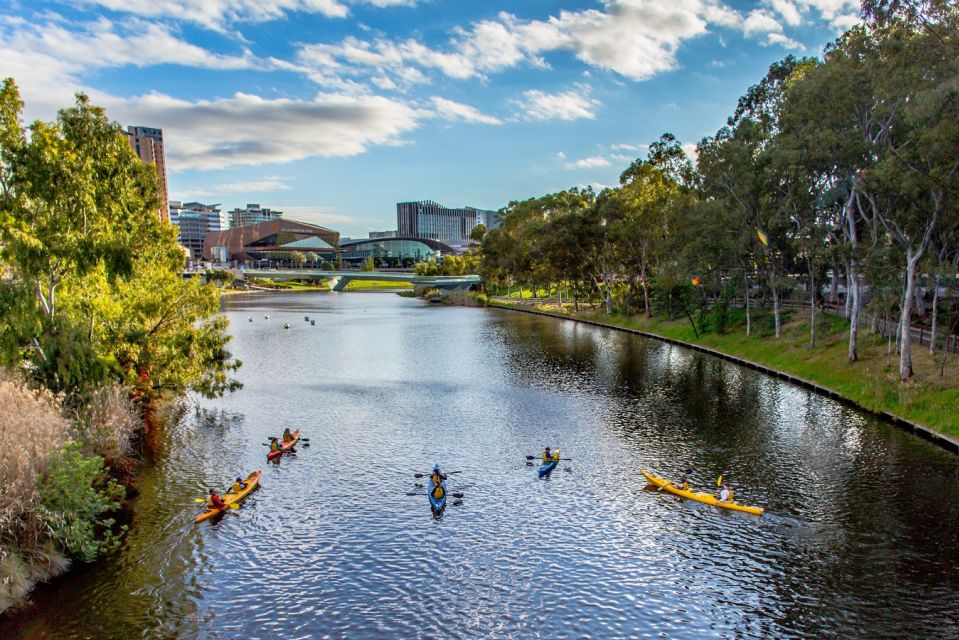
{"x": 339, "y": 279}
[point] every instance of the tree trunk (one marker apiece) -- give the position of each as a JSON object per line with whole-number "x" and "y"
{"x": 905, "y": 354}
{"x": 852, "y": 304}
{"x": 935, "y": 313}
{"x": 749, "y": 322}
{"x": 812, "y": 308}
{"x": 777, "y": 306}
{"x": 646, "y": 294}
{"x": 834, "y": 284}
{"x": 575, "y": 298}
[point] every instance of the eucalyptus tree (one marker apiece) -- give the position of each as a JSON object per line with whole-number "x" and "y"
{"x": 94, "y": 289}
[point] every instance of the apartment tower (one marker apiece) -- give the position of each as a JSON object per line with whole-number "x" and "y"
{"x": 147, "y": 142}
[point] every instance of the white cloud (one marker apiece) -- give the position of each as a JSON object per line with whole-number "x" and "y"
{"x": 249, "y": 130}
{"x": 690, "y": 149}
{"x": 844, "y": 22}
{"x": 570, "y": 105}
{"x": 760, "y": 22}
{"x": 450, "y": 110}
{"x": 216, "y": 14}
{"x": 788, "y": 11}
{"x": 560, "y": 155}
{"x": 244, "y": 187}
{"x": 783, "y": 41}
{"x": 588, "y": 163}
{"x": 629, "y": 147}
{"x": 315, "y": 214}
{"x": 829, "y": 9}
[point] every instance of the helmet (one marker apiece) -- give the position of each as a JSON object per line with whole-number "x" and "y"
{"x": 436, "y": 467}
{"x": 238, "y": 479}
{"x": 212, "y": 490}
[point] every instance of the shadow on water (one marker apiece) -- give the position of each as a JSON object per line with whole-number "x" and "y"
{"x": 860, "y": 537}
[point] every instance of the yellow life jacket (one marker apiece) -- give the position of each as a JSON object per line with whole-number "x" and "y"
{"x": 275, "y": 445}
{"x": 437, "y": 481}
{"x": 237, "y": 487}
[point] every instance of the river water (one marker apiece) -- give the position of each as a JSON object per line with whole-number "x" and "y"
{"x": 860, "y": 537}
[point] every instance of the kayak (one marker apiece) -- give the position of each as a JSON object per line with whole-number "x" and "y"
{"x": 252, "y": 482}
{"x": 699, "y": 496}
{"x": 284, "y": 446}
{"x": 437, "y": 495}
{"x": 547, "y": 467}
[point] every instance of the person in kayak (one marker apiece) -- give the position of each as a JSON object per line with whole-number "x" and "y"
{"x": 437, "y": 478}
{"x": 287, "y": 435}
{"x": 684, "y": 481}
{"x": 547, "y": 456}
{"x": 725, "y": 494}
{"x": 238, "y": 485}
{"x": 274, "y": 444}
{"x": 215, "y": 501}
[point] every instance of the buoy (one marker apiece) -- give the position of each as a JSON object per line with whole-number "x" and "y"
{"x": 286, "y": 325}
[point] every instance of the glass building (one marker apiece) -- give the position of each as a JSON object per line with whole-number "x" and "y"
{"x": 393, "y": 252}
{"x": 428, "y": 219}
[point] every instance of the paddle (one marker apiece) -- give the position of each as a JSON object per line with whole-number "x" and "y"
{"x": 423, "y": 475}
{"x": 231, "y": 505}
{"x": 537, "y": 457}
{"x": 420, "y": 493}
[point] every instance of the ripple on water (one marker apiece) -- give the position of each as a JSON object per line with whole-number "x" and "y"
{"x": 859, "y": 538}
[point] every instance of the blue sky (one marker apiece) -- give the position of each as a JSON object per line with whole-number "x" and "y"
{"x": 334, "y": 110}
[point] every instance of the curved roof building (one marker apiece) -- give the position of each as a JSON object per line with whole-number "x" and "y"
{"x": 272, "y": 239}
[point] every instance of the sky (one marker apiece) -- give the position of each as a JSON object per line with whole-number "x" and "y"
{"x": 334, "y": 110}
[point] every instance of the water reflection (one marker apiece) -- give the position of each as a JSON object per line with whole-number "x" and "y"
{"x": 858, "y": 539}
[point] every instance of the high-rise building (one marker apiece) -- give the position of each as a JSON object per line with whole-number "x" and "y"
{"x": 428, "y": 219}
{"x": 147, "y": 142}
{"x": 195, "y": 220}
{"x": 253, "y": 214}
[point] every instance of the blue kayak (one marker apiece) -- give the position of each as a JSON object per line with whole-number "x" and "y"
{"x": 547, "y": 467}
{"x": 437, "y": 495}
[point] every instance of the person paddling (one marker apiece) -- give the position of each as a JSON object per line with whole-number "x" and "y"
{"x": 437, "y": 478}
{"x": 725, "y": 494}
{"x": 684, "y": 481}
{"x": 215, "y": 501}
{"x": 275, "y": 444}
{"x": 547, "y": 456}
{"x": 238, "y": 485}
{"x": 287, "y": 435}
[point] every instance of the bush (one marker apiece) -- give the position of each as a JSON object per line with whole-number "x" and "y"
{"x": 75, "y": 492}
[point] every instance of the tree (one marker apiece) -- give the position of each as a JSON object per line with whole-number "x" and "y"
{"x": 368, "y": 264}
{"x": 478, "y": 233}
{"x": 95, "y": 289}
{"x": 298, "y": 258}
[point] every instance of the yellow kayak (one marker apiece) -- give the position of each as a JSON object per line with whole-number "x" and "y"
{"x": 699, "y": 496}
{"x": 252, "y": 481}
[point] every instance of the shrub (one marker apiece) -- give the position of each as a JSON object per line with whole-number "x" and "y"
{"x": 75, "y": 493}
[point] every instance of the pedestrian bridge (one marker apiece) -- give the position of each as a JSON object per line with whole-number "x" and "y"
{"x": 339, "y": 279}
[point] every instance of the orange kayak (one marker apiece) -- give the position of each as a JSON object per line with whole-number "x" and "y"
{"x": 252, "y": 482}
{"x": 699, "y": 496}
{"x": 284, "y": 446}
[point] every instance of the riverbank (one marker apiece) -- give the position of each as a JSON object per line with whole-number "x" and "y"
{"x": 925, "y": 405}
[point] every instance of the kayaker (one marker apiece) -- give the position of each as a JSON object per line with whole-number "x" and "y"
{"x": 238, "y": 485}
{"x": 547, "y": 456}
{"x": 725, "y": 494}
{"x": 275, "y": 444}
{"x": 684, "y": 481}
{"x": 437, "y": 478}
{"x": 215, "y": 501}
{"x": 287, "y": 435}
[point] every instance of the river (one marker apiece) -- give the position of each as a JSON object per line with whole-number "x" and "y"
{"x": 860, "y": 537}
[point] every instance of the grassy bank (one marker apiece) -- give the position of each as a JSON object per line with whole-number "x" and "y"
{"x": 373, "y": 285}
{"x": 929, "y": 399}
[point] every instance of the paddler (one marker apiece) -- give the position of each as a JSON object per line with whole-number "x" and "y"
{"x": 684, "y": 481}
{"x": 287, "y": 435}
{"x": 547, "y": 456}
{"x": 437, "y": 478}
{"x": 275, "y": 444}
{"x": 238, "y": 485}
{"x": 725, "y": 494}
{"x": 215, "y": 501}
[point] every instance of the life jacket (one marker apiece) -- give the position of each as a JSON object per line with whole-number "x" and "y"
{"x": 275, "y": 445}
{"x": 550, "y": 457}
{"x": 437, "y": 481}
{"x": 211, "y": 504}
{"x": 238, "y": 487}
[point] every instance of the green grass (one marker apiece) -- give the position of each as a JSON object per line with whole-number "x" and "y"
{"x": 872, "y": 382}
{"x": 372, "y": 285}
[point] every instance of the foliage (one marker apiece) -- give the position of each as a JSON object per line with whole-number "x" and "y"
{"x": 368, "y": 264}
{"x": 94, "y": 292}
{"x": 75, "y": 493}
{"x": 845, "y": 166}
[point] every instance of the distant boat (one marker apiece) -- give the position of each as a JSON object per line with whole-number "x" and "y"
{"x": 251, "y": 318}
{"x": 266, "y": 317}
{"x": 307, "y": 318}
{"x": 313, "y": 322}
{"x": 286, "y": 325}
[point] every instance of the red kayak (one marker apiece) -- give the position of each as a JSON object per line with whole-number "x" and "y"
{"x": 284, "y": 446}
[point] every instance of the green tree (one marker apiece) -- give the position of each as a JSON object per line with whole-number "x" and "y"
{"x": 478, "y": 233}
{"x": 368, "y": 264}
